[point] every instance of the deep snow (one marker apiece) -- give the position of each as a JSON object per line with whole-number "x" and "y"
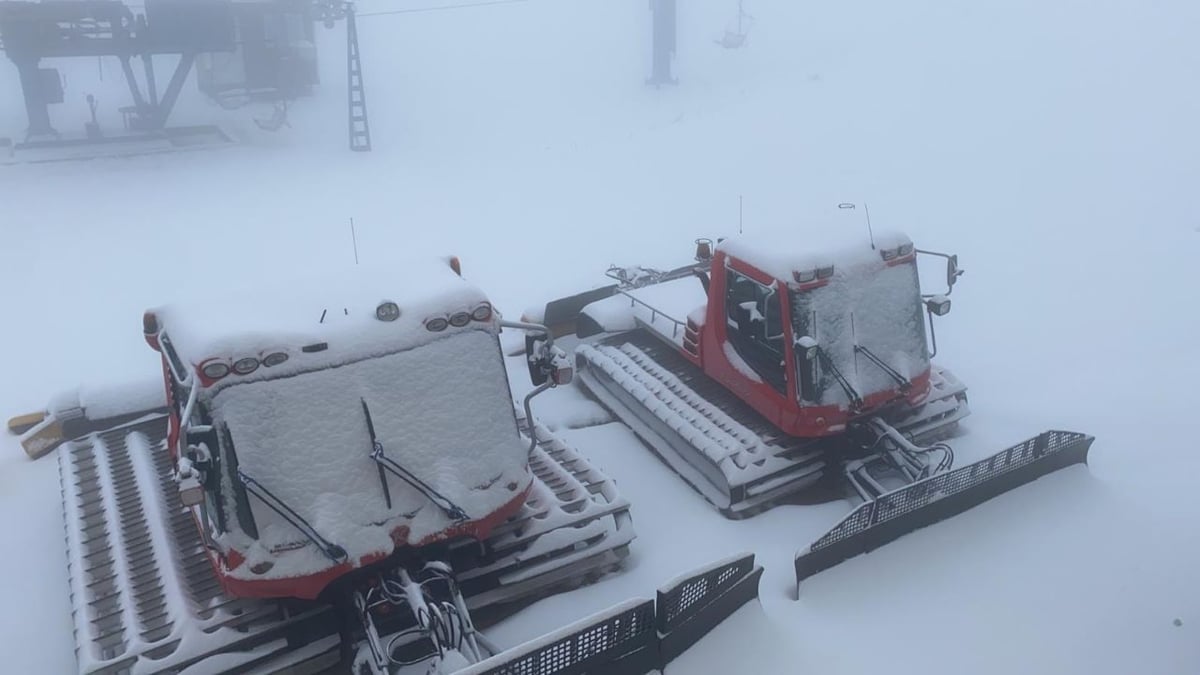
{"x": 1052, "y": 145}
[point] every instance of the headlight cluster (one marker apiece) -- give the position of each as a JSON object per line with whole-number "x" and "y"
{"x": 437, "y": 324}
{"x": 902, "y": 251}
{"x": 215, "y": 369}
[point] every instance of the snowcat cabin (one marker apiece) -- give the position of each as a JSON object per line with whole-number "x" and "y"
{"x": 319, "y": 431}
{"x": 815, "y": 339}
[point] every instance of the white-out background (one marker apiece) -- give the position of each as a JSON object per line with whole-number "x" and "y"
{"x": 1054, "y": 145}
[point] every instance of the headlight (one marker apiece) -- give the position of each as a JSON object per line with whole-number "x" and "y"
{"x": 274, "y": 359}
{"x": 215, "y": 370}
{"x": 482, "y": 312}
{"x": 805, "y": 276}
{"x": 245, "y": 366}
{"x": 436, "y": 324}
{"x": 906, "y": 249}
{"x": 460, "y": 319}
{"x": 387, "y": 311}
{"x": 825, "y": 272}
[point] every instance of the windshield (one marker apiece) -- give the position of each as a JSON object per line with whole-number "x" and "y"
{"x": 443, "y": 411}
{"x": 879, "y": 310}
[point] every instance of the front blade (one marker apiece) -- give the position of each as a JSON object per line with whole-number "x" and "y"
{"x": 941, "y": 496}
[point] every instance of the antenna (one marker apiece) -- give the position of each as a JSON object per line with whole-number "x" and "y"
{"x": 739, "y": 214}
{"x": 354, "y": 240}
{"x": 867, "y": 210}
{"x": 870, "y": 232}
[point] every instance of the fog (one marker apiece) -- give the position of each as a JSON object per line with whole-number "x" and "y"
{"x": 1053, "y": 146}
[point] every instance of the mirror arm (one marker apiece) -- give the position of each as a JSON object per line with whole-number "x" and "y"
{"x": 548, "y": 384}
{"x": 535, "y": 327}
{"x": 948, "y": 257}
{"x": 932, "y": 331}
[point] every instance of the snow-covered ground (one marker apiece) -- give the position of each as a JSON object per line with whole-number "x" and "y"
{"x": 1054, "y": 146}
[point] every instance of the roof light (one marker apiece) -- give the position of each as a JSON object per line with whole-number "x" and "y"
{"x": 455, "y": 265}
{"x": 245, "y": 366}
{"x": 150, "y": 323}
{"x": 215, "y": 370}
{"x": 436, "y": 325}
{"x": 805, "y": 276}
{"x": 825, "y": 272}
{"x": 460, "y": 319}
{"x": 271, "y": 360}
{"x": 387, "y": 311}
{"x": 315, "y": 347}
{"x": 482, "y": 312}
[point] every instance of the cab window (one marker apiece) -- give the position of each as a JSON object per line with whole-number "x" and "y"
{"x": 754, "y": 318}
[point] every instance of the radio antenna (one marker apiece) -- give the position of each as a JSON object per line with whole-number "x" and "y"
{"x": 867, "y": 210}
{"x": 870, "y": 232}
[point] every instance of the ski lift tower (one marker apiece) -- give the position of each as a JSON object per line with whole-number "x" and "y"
{"x": 330, "y": 12}
{"x": 663, "y": 39}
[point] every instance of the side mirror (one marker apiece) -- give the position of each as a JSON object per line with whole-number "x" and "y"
{"x": 547, "y": 363}
{"x": 807, "y": 352}
{"x": 534, "y": 346}
{"x": 938, "y": 305}
{"x": 807, "y": 348}
{"x": 952, "y": 271}
{"x": 191, "y": 491}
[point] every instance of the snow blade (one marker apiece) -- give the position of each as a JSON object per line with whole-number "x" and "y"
{"x": 562, "y": 314}
{"x": 637, "y": 636}
{"x": 938, "y": 497}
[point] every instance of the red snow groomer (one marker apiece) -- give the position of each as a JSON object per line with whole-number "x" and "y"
{"x": 315, "y": 437}
{"x": 354, "y": 442}
{"x": 767, "y": 366}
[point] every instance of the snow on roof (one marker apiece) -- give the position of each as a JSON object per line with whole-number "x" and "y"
{"x": 338, "y": 310}
{"x": 807, "y": 248}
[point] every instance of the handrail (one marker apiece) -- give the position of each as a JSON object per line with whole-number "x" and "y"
{"x": 654, "y": 312}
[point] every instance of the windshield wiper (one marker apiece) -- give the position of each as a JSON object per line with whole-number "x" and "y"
{"x": 448, "y": 507}
{"x": 904, "y": 382}
{"x": 856, "y": 401}
{"x": 332, "y": 551}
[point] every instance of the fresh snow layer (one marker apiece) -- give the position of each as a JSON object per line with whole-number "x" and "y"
{"x": 1050, "y": 145}
{"x": 807, "y": 248}
{"x": 340, "y": 310}
{"x": 441, "y": 411}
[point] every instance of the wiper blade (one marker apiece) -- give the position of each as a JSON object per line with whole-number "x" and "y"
{"x": 376, "y": 446}
{"x": 392, "y": 466}
{"x": 332, "y": 551}
{"x": 856, "y": 401}
{"x": 904, "y": 382}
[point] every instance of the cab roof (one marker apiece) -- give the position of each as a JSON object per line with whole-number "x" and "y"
{"x": 780, "y": 254}
{"x": 337, "y": 310}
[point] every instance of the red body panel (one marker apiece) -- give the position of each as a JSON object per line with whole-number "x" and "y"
{"x": 782, "y": 410}
{"x": 309, "y": 587}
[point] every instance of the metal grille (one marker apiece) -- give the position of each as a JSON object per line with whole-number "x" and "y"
{"x": 683, "y": 600}
{"x": 605, "y": 640}
{"x": 922, "y": 493}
